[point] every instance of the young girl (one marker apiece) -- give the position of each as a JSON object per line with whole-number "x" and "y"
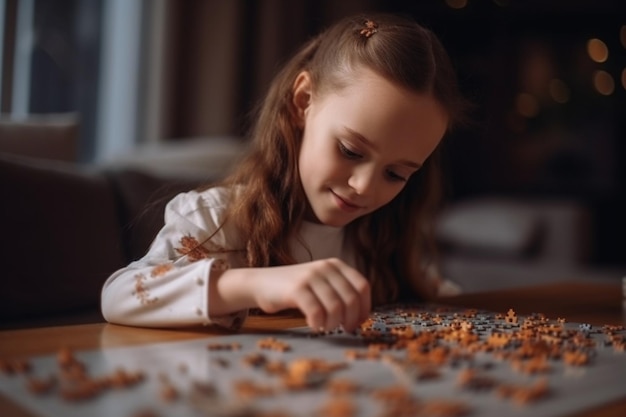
{"x": 329, "y": 213}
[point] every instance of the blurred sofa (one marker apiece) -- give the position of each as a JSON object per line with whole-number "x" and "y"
{"x": 66, "y": 227}
{"x": 51, "y": 136}
{"x": 498, "y": 242}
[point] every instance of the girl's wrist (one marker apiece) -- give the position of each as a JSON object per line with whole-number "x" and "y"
{"x": 234, "y": 290}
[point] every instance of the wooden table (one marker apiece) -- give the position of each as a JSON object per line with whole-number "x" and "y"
{"x": 596, "y": 304}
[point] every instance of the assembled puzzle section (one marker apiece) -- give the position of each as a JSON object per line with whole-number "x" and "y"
{"x": 417, "y": 360}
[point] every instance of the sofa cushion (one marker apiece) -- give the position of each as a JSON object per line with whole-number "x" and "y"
{"x": 47, "y": 136}
{"x": 142, "y": 197}
{"x": 490, "y": 227}
{"x": 60, "y": 237}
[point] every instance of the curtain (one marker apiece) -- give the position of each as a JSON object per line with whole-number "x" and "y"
{"x": 224, "y": 53}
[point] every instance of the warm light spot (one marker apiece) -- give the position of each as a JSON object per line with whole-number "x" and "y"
{"x": 603, "y": 82}
{"x": 526, "y": 105}
{"x": 559, "y": 91}
{"x": 597, "y": 50}
{"x": 622, "y": 35}
{"x": 624, "y": 78}
{"x": 456, "y": 4}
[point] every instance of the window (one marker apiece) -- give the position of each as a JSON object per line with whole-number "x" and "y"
{"x": 78, "y": 56}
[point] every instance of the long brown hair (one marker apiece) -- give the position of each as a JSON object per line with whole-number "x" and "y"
{"x": 270, "y": 205}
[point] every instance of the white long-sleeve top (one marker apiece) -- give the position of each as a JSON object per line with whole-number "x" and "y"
{"x": 168, "y": 287}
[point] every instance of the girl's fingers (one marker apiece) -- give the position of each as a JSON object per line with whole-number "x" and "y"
{"x": 350, "y": 301}
{"x": 360, "y": 287}
{"x": 331, "y": 294}
{"x": 311, "y": 306}
{"x": 331, "y": 301}
{"x": 345, "y": 294}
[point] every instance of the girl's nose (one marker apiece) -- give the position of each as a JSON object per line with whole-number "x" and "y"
{"x": 363, "y": 181}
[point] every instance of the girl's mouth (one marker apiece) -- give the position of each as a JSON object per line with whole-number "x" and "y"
{"x": 344, "y": 204}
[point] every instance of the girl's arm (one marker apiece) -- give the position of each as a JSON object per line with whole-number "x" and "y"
{"x": 168, "y": 287}
{"x": 328, "y": 292}
{"x": 188, "y": 279}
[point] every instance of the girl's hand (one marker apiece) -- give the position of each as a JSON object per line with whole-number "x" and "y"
{"x": 328, "y": 292}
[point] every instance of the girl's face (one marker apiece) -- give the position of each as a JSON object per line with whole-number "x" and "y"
{"x": 360, "y": 144}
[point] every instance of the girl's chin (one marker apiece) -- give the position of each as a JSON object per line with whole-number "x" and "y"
{"x": 332, "y": 221}
{"x": 328, "y": 219}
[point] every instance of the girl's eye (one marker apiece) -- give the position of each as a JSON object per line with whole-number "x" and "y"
{"x": 348, "y": 153}
{"x": 396, "y": 177}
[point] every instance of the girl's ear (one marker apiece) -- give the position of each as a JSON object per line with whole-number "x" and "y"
{"x": 302, "y": 93}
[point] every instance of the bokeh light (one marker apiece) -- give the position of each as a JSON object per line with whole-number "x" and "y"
{"x": 624, "y": 78}
{"x": 603, "y": 83}
{"x": 622, "y": 35}
{"x": 456, "y": 4}
{"x": 597, "y": 50}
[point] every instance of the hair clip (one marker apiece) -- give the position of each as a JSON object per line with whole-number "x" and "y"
{"x": 370, "y": 28}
